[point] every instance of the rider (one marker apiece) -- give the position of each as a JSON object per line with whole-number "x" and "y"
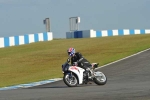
{"x": 76, "y": 57}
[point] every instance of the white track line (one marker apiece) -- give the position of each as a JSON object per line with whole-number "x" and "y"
{"x": 123, "y": 58}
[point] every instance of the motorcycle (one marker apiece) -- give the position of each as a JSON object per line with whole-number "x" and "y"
{"x": 74, "y": 75}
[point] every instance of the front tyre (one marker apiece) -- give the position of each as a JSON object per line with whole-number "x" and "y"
{"x": 70, "y": 80}
{"x": 101, "y": 79}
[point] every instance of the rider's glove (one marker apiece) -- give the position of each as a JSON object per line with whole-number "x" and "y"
{"x": 68, "y": 60}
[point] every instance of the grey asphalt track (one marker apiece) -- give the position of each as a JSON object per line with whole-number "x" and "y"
{"x": 128, "y": 79}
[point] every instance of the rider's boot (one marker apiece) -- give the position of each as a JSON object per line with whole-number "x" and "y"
{"x": 90, "y": 73}
{"x": 89, "y": 76}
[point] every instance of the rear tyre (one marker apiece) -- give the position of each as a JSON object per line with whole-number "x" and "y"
{"x": 100, "y": 80}
{"x": 70, "y": 80}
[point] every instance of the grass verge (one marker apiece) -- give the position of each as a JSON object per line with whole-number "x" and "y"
{"x": 43, "y": 60}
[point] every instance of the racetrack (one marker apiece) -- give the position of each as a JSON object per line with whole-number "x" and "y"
{"x": 128, "y": 79}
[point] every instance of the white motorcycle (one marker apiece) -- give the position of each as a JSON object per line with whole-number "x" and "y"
{"x": 74, "y": 75}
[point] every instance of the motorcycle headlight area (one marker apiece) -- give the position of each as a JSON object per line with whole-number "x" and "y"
{"x": 65, "y": 67}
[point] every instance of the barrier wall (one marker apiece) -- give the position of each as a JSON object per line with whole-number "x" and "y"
{"x": 103, "y": 33}
{"x": 25, "y": 39}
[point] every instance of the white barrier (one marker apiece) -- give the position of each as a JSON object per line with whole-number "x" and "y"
{"x": 25, "y": 39}
{"x": 91, "y": 33}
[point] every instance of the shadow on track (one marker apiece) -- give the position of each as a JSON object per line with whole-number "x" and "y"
{"x": 58, "y": 86}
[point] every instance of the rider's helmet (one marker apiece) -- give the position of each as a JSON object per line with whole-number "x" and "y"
{"x": 71, "y": 51}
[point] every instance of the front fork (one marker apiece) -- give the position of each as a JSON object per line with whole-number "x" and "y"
{"x": 70, "y": 74}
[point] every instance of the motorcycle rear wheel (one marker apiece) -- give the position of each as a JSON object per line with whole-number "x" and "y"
{"x": 100, "y": 80}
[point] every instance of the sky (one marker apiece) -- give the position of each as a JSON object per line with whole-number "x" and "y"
{"x": 19, "y": 17}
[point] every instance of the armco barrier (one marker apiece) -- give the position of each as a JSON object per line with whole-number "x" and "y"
{"x": 91, "y": 33}
{"x": 25, "y": 39}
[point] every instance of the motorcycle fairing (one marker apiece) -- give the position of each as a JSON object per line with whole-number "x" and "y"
{"x": 78, "y": 71}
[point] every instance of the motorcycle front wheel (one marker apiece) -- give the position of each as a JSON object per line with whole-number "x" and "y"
{"x": 70, "y": 80}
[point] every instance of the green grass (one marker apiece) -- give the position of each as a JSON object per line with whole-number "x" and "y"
{"x": 43, "y": 60}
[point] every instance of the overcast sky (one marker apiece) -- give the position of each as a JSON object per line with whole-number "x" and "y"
{"x": 18, "y": 17}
